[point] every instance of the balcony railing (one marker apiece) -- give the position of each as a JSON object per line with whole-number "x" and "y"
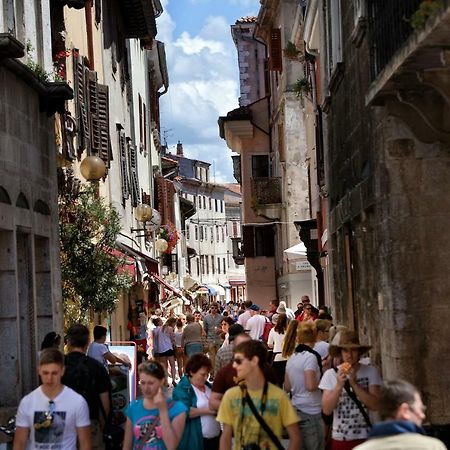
{"x": 266, "y": 190}
{"x": 389, "y": 29}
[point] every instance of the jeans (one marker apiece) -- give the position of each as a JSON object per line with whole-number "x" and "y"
{"x": 312, "y": 431}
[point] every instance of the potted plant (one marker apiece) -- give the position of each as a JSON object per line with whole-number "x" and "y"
{"x": 302, "y": 87}
{"x": 427, "y": 9}
{"x": 291, "y": 51}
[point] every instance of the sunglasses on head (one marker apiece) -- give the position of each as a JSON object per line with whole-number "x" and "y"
{"x": 47, "y": 419}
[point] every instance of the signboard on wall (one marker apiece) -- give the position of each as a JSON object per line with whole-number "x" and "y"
{"x": 302, "y": 265}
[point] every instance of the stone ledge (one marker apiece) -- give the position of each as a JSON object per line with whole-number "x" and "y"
{"x": 10, "y": 47}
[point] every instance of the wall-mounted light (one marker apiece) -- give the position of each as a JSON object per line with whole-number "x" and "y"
{"x": 143, "y": 212}
{"x": 148, "y": 216}
{"x": 92, "y": 168}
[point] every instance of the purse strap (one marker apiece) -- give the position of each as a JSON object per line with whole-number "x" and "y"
{"x": 261, "y": 421}
{"x": 357, "y": 402}
{"x": 147, "y": 434}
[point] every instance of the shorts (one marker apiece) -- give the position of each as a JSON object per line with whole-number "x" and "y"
{"x": 166, "y": 353}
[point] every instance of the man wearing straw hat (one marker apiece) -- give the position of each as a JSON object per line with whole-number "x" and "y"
{"x": 349, "y": 392}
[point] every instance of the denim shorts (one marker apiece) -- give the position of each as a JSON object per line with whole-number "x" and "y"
{"x": 312, "y": 431}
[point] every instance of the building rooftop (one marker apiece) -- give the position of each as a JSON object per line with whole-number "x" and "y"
{"x": 246, "y": 19}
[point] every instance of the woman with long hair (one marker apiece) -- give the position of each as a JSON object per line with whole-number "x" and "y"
{"x": 303, "y": 372}
{"x": 225, "y": 324}
{"x": 153, "y": 421}
{"x": 290, "y": 339}
{"x": 275, "y": 343}
{"x": 164, "y": 344}
{"x": 179, "y": 352}
{"x": 202, "y": 431}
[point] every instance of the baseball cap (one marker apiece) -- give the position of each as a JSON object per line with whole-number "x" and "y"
{"x": 234, "y": 330}
{"x": 255, "y": 307}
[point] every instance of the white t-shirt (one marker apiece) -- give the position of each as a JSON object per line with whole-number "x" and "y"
{"x": 69, "y": 410}
{"x": 348, "y": 422}
{"x": 244, "y": 318}
{"x": 321, "y": 348}
{"x": 276, "y": 340}
{"x": 210, "y": 426}
{"x": 307, "y": 401}
{"x": 98, "y": 351}
{"x": 255, "y": 326}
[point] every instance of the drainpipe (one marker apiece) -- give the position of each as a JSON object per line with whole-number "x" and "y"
{"x": 90, "y": 39}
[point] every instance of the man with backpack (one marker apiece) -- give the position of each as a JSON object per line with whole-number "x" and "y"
{"x": 89, "y": 378}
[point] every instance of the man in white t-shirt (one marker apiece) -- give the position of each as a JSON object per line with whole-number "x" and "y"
{"x": 245, "y": 316}
{"x": 256, "y": 323}
{"x": 52, "y": 416}
{"x": 349, "y": 423}
{"x": 100, "y": 351}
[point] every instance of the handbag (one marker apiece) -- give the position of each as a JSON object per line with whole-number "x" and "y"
{"x": 263, "y": 423}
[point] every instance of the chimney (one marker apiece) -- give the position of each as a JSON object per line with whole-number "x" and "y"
{"x": 179, "y": 149}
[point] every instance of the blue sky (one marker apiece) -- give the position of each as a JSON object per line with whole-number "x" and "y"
{"x": 203, "y": 76}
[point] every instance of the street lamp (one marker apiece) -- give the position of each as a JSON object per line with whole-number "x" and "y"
{"x": 148, "y": 216}
{"x": 143, "y": 213}
{"x": 92, "y": 168}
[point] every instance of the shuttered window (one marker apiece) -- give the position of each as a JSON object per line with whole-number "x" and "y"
{"x": 81, "y": 103}
{"x": 134, "y": 180}
{"x": 165, "y": 199}
{"x": 258, "y": 241}
{"x": 123, "y": 164}
{"x": 276, "y": 55}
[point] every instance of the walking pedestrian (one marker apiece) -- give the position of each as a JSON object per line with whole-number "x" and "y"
{"x": 256, "y": 323}
{"x": 89, "y": 378}
{"x": 255, "y": 412}
{"x": 153, "y": 421}
{"x": 202, "y": 431}
{"x": 179, "y": 352}
{"x": 303, "y": 372}
{"x": 166, "y": 347}
{"x": 349, "y": 392}
{"x": 225, "y": 354}
{"x": 401, "y": 408}
{"x": 52, "y": 416}
{"x": 192, "y": 337}
{"x": 275, "y": 343}
{"x": 211, "y": 325}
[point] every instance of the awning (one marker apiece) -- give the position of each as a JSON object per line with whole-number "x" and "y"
{"x": 127, "y": 266}
{"x": 202, "y": 290}
{"x": 296, "y": 251}
{"x": 237, "y": 281}
{"x": 172, "y": 289}
{"x": 150, "y": 263}
{"x": 219, "y": 290}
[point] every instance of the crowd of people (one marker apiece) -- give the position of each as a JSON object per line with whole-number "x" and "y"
{"x": 228, "y": 378}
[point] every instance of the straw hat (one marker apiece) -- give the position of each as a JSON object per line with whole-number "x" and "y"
{"x": 346, "y": 339}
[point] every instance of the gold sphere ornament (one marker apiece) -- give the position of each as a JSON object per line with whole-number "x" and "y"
{"x": 161, "y": 245}
{"x": 92, "y": 168}
{"x": 143, "y": 212}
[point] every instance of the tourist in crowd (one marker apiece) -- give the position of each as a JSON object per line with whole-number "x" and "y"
{"x": 241, "y": 405}
{"x": 256, "y": 323}
{"x": 350, "y": 392}
{"x": 275, "y": 343}
{"x": 225, "y": 325}
{"x": 321, "y": 345}
{"x": 303, "y": 372}
{"x": 202, "y": 431}
{"x": 211, "y": 325}
{"x": 225, "y": 354}
{"x": 245, "y": 315}
{"x": 192, "y": 337}
{"x": 290, "y": 339}
{"x": 307, "y": 315}
{"x": 179, "y": 352}
{"x": 153, "y": 421}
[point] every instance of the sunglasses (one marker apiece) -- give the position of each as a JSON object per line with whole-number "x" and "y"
{"x": 238, "y": 361}
{"x": 47, "y": 419}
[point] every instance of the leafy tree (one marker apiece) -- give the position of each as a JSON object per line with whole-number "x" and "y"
{"x": 89, "y": 269}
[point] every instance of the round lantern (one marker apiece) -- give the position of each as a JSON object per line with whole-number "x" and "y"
{"x": 92, "y": 168}
{"x": 161, "y": 245}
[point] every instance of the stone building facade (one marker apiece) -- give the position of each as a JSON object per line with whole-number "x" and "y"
{"x": 385, "y": 87}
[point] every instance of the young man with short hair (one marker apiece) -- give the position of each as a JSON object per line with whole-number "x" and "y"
{"x": 269, "y": 401}
{"x": 402, "y": 411}
{"x": 53, "y": 415}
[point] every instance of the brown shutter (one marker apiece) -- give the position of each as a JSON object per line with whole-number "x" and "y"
{"x": 248, "y": 234}
{"x": 123, "y": 165}
{"x": 141, "y": 122}
{"x": 103, "y": 123}
{"x": 93, "y": 112}
{"x": 276, "y": 55}
{"x": 81, "y": 104}
{"x": 132, "y": 163}
{"x": 145, "y": 125}
{"x": 165, "y": 192}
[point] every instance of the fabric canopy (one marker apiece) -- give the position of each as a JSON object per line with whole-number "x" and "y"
{"x": 172, "y": 289}
{"x": 296, "y": 251}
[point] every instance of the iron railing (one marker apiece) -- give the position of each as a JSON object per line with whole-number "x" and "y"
{"x": 266, "y": 190}
{"x": 389, "y": 29}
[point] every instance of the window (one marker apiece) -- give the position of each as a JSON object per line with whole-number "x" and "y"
{"x": 260, "y": 166}
{"x": 201, "y": 233}
{"x": 224, "y": 266}
{"x": 200, "y": 202}
{"x": 204, "y": 202}
{"x": 275, "y": 52}
{"x": 221, "y": 205}
{"x": 202, "y": 263}
{"x": 235, "y": 230}
{"x": 215, "y": 206}
{"x": 198, "y": 266}
{"x": 196, "y": 232}
{"x": 211, "y": 229}
{"x": 223, "y": 234}
{"x": 335, "y": 32}
{"x": 187, "y": 231}
{"x": 258, "y": 241}
{"x": 213, "y": 267}
{"x": 218, "y": 265}
{"x": 217, "y": 233}
{"x": 210, "y": 203}
{"x": 207, "y": 264}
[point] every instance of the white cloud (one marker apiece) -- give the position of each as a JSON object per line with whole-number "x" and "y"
{"x": 191, "y": 46}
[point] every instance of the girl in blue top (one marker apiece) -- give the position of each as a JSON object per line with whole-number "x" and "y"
{"x": 154, "y": 422}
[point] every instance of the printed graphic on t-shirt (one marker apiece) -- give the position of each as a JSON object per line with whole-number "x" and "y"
{"x": 349, "y": 422}
{"x": 154, "y": 441}
{"x": 49, "y": 429}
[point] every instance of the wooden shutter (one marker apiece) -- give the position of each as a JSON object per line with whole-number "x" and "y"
{"x": 145, "y": 125}
{"x": 248, "y": 234}
{"x": 134, "y": 180}
{"x": 123, "y": 166}
{"x": 103, "y": 123}
{"x": 165, "y": 199}
{"x": 276, "y": 54}
{"x": 81, "y": 104}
